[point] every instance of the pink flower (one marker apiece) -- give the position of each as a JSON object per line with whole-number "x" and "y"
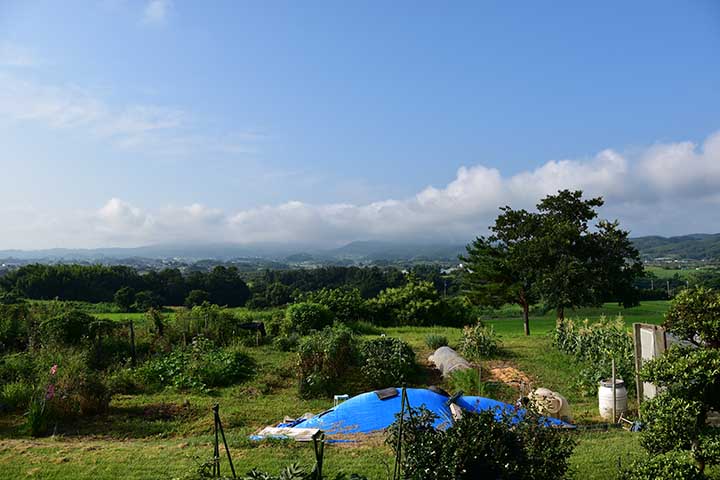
{"x": 50, "y": 392}
{"x": 53, "y": 369}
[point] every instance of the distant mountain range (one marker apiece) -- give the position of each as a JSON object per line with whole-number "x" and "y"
{"x": 695, "y": 246}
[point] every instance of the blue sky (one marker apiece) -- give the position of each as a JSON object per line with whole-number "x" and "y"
{"x": 132, "y": 122}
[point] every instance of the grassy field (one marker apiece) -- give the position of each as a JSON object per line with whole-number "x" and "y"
{"x": 165, "y": 435}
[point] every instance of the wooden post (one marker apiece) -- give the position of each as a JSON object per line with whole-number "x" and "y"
{"x": 614, "y": 413}
{"x": 132, "y": 342}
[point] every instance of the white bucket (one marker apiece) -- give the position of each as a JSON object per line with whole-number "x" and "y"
{"x": 605, "y": 397}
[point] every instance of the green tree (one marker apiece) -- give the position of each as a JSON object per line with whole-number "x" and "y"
{"x": 553, "y": 255}
{"x": 196, "y": 297}
{"x": 124, "y": 298}
{"x": 146, "y": 300}
{"x": 688, "y": 380}
{"x": 581, "y": 267}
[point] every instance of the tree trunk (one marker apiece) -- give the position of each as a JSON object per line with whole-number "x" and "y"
{"x": 526, "y": 311}
{"x": 560, "y": 313}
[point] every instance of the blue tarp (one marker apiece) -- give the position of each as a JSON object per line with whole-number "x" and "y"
{"x": 367, "y": 413}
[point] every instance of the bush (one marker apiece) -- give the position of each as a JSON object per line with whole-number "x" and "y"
{"x": 323, "y": 358}
{"x": 346, "y": 305}
{"x": 435, "y": 341}
{"x": 16, "y": 395}
{"x": 416, "y": 303}
{"x": 196, "y": 297}
{"x": 210, "y": 321}
{"x": 466, "y": 381}
{"x": 304, "y": 317}
{"x": 668, "y": 466}
{"x": 688, "y": 380}
{"x": 200, "y": 366}
{"x": 595, "y": 345}
{"x": 387, "y": 362}
{"x": 16, "y": 324}
{"x": 66, "y": 329}
{"x": 287, "y": 343}
{"x": 17, "y": 367}
{"x": 479, "y": 341}
{"x": 78, "y": 388}
{"x": 124, "y": 299}
{"x": 479, "y": 445}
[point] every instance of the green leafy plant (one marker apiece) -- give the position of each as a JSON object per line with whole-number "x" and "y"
{"x": 479, "y": 341}
{"x": 467, "y": 381}
{"x": 323, "y": 358}
{"x": 667, "y": 466}
{"x": 16, "y": 395}
{"x": 304, "y": 317}
{"x": 435, "y": 341}
{"x": 688, "y": 381}
{"x": 200, "y": 366}
{"x": 480, "y": 445}
{"x": 387, "y": 361}
{"x": 595, "y": 345}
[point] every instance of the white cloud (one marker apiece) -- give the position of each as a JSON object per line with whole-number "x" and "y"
{"x": 663, "y": 189}
{"x": 156, "y": 12}
{"x": 684, "y": 167}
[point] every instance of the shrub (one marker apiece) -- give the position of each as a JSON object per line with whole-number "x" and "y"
{"x": 456, "y": 311}
{"x": 323, "y": 358}
{"x": 688, "y": 380}
{"x": 78, "y": 388}
{"x": 304, "y": 317}
{"x": 216, "y": 323}
{"x": 17, "y": 367}
{"x": 196, "y": 297}
{"x": 435, "y": 341}
{"x": 595, "y": 345}
{"x": 479, "y": 341}
{"x": 16, "y": 395}
{"x": 479, "y": 445}
{"x": 145, "y": 300}
{"x": 15, "y": 326}
{"x": 124, "y": 380}
{"x": 68, "y": 328}
{"x": 668, "y": 466}
{"x": 466, "y": 381}
{"x": 198, "y": 367}
{"x": 346, "y": 305}
{"x": 124, "y": 298}
{"x": 416, "y": 303}
{"x": 387, "y": 362}
{"x": 287, "y": 343}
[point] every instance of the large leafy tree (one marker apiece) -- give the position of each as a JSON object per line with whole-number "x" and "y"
{"x": 553, "y": 255}
{"x": 580, "y": 266}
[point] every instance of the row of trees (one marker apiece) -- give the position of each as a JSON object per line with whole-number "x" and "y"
{"x": 99, "y": 283}
{"x": 554, "y": 257}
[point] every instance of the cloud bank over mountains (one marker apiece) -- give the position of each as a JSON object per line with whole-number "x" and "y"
{"x": 669, "y": 188}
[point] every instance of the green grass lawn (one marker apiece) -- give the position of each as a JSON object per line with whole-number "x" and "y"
{"x": 164, "y": 435}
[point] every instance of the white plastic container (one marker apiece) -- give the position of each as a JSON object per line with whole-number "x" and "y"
{"x": 605, "y": 398}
